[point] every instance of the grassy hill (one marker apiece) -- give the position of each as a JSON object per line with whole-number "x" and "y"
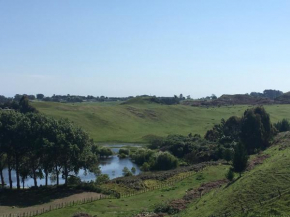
{"x": 138, "y": 121}
{"x": 256, "y": 192}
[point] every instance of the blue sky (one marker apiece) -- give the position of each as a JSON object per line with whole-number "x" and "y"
{"x": 162, "y": 47}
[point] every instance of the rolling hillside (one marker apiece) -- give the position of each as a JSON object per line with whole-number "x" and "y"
{"x": 140, "y": 121}
{"x": 263, "y": 191}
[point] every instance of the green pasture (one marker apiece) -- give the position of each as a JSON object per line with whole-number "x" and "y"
{"x": 129, "y": 123}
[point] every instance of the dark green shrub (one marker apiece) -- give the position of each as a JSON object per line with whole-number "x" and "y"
{"x": 230, "y": 174}
{"x": 133, "y": 170}
{"x": 127, "y": 172}
{"x": 102, "y": 178}
{"x": 145, "y": 167}
{"x": 122, "y": 155}
{"x": 74, "y": 180}
{"x": 106, "y": 152}
{"x": 256, "y": 129}
{"x": 165, "y": 161}
{"x": 124, "y": 151}
{"x": 283, "y": 126}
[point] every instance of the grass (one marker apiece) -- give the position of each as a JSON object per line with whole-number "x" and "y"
{"x": 260, "y": 184}
{"x": 143, "y": 202}
{"x": 139, "y": 122}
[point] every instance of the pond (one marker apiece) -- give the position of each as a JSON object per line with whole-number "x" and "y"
{"x": 112, "y": 166}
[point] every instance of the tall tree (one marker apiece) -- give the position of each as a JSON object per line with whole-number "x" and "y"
{"x": 9, "y": 121}
{"x": 240, "y": 159}
{"x": 256, "y": 129}
{"x": 39, "y": 96}
{"x": 24, "y": 105}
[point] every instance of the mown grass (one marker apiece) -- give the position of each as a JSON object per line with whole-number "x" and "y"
{"x": 115, "y": 122}
{"x": 258, "y": 185}
{"x": 126, "y": 207}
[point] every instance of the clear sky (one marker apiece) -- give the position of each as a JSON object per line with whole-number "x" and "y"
{"x": 158, "y": 47}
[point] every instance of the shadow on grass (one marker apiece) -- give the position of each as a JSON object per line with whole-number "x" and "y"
{"x": 232, "y": 182}
{"x": 31, "y": 197}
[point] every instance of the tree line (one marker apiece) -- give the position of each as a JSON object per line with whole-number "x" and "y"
{"x": 38, "y": 146}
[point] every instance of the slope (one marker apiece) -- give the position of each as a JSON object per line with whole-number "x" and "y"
{"x": 112, "y": 122}
{"x": 263, "y": 191}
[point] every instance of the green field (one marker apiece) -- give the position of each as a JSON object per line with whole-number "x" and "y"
{"x": 139, "y": 121}
{"x": 131, "y": 206}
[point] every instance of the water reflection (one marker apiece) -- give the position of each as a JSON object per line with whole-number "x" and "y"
{"x": 111, "y": 166}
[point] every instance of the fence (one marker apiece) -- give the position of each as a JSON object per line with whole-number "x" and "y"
{"x": 57, "y": 206}
{"x": 114, "y": 195}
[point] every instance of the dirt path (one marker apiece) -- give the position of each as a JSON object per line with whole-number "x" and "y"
{"x": 4, "y": 210}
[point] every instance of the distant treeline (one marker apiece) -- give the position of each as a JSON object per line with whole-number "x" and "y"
{"x": 10, "y": 102}
{"x": 6, "y": 101}
{"x": 271, "y": 94}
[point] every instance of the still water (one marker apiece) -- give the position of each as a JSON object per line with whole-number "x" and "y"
{"x": 111, "y": 166}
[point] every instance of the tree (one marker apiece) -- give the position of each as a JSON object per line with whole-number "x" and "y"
{"x": 213, "y": 96}
{"x": 240, "y": 159}
{"x": 145, "y": 167}
{"x": 106, "y": 152}
{"x": 102, "y": 178}
{"x": 256, "y": 129}
{"x": 3, "y": 163}
{"x": 230, "y": 174}
{"x": 133, "y": 170}
{"x": 124, "y": 151}
{"x": 9, "y": 121}
{"x": 24, "y": 105}
{"x": 165, "y": 161}
{"x": 127, "y": 172}
{"x": 39, "y": 96}
{"x": 228, "y": 154}
{"x": 283, "y": 126}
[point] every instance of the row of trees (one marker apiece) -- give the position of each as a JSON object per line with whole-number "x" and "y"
{"x": 37, "y": 146}
{"x": 271, "y": 94}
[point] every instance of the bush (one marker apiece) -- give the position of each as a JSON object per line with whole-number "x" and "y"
{"x": 74, "y": 180}
{"x": 91, "y": 186}
{"x": 142, "y": 155}
{"x": 101, "y": 179}
{"x": 230, "y": 175}
{"x": 133, "y": 170}
{"x": 81, "y": 215}
{"x": 122, "y": 155}
{"x": 106, "y": 152}
{"x": 165, "y": 208}
{"x": 228, "y": 154}
{"x": 199, "y": 177}
{"x": 165, "y": 161}
{"x": 283, "y": 126}
{"x": 145, "y": 167}
{"x": 124, "y": 151}
{"x": 127, "y": 172}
